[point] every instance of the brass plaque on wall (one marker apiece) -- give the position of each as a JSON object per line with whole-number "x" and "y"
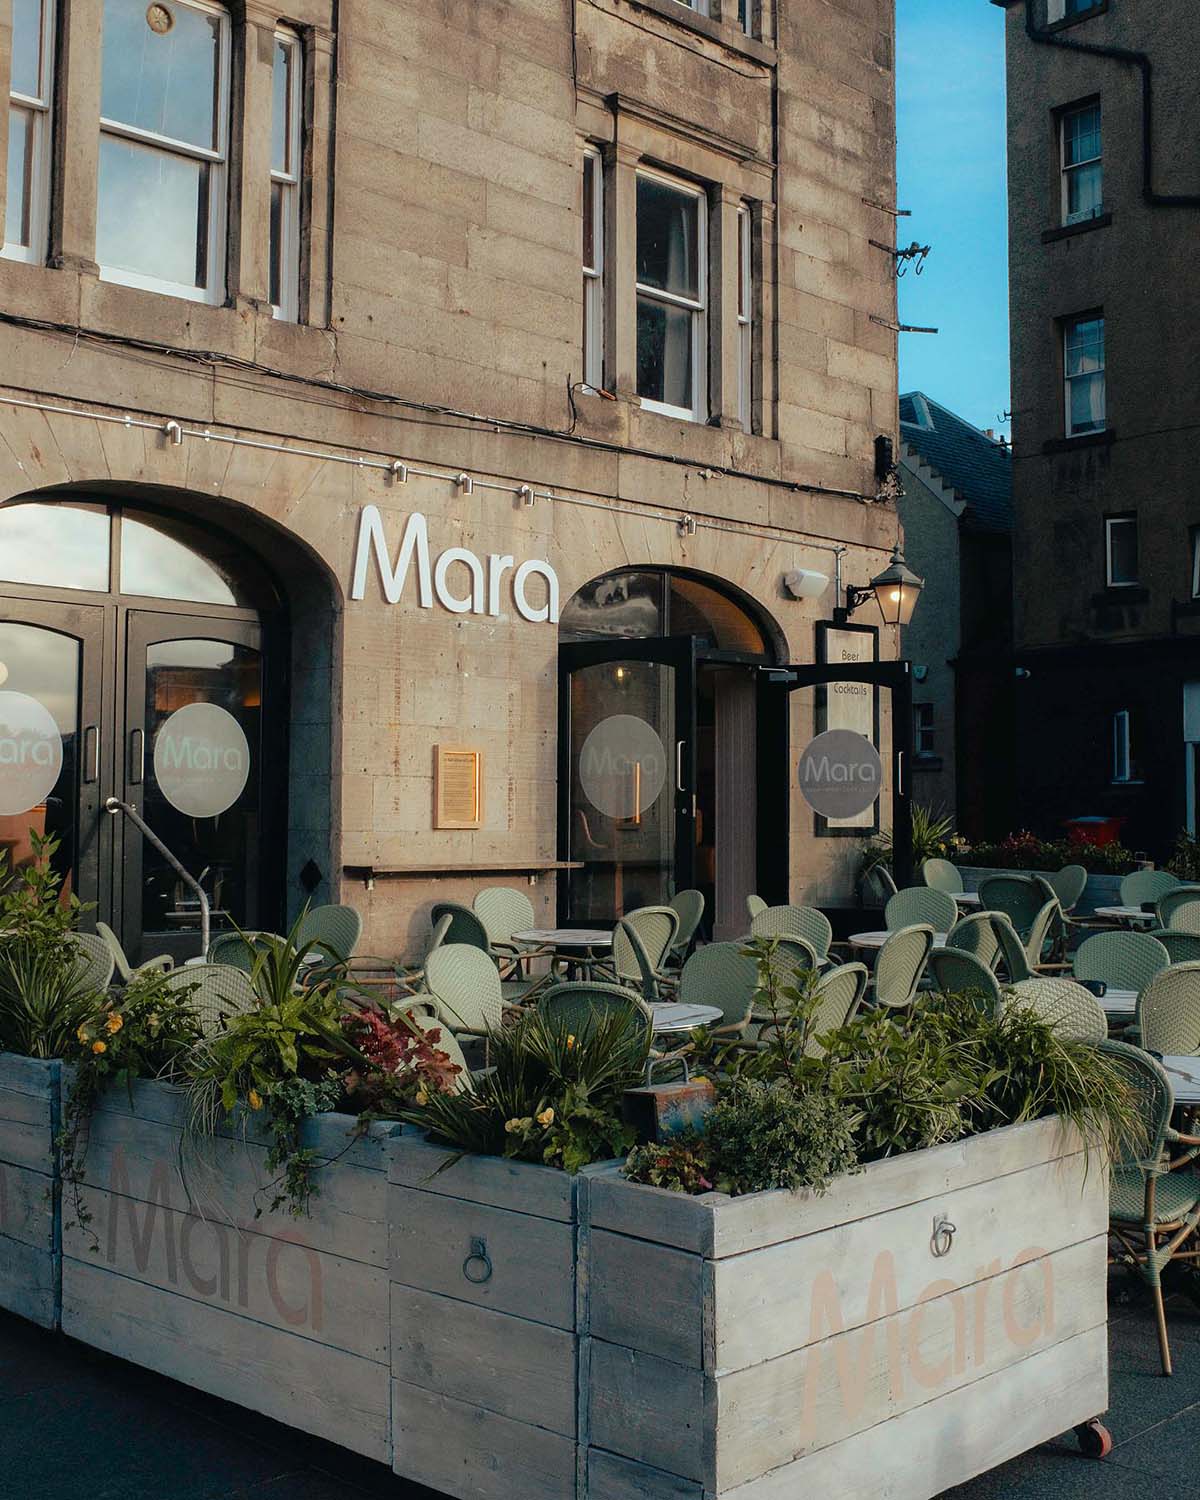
{"x": 457, "y": 787}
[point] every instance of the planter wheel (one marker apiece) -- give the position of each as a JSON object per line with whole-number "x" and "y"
{"x": 1095, "y": 1440}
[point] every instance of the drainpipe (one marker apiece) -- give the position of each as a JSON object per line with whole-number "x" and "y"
{"x": 1141, "y": 61}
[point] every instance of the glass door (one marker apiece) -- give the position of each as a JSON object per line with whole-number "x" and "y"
{"x": 51, "y": 706}
{"x": 193, "y": 767}
{"x": 627, "y": 775}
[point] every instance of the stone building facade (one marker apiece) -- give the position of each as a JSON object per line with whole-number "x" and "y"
{"x": 316, "y": 327}
{"x": 1105, "y": 401}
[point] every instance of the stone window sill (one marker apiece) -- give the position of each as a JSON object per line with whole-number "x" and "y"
{"x": 728, "y": 33}
{"x": 1103, "y": 439}
{"x": 1128, "y": 593}
{"x": 1069, "y": 231}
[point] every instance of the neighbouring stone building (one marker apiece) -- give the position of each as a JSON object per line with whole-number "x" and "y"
{"x": 1104, "y": 191}
{"x": 957, "y": 516}
{"x": 395, "y": 397}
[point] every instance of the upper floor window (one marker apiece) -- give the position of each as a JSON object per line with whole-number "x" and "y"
{"x": 672, "y": 292}
{"x": 164, "y": 144}
{"x": 924, "y": 734}
{"x": 1082, "y": 168}
{"x": 26, "y": 216}
{"x": 593, "y": 269}
{"x": 287, "y": 97}
{"x": 746, "y": 16}
{"x": 1120, "y": 551}
{"x": 699, "y": 6}
{"x": 1123, "y": 765}
{"x": 1195, "y": 535}
{"x": 1084, "y": 377}
{"x": 1060, "y": 10}
{"x": 745, "y": 318}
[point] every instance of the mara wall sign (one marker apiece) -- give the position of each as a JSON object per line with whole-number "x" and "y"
{"x": 459, "y": 580}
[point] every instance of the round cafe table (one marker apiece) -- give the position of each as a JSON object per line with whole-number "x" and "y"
{"x": 671, "y": 1016}
{"x": 570, "y": 939}
{"x": 877, "y": 939}
{"x": 1119, "y": 1002}
{"x": 967, "y": 898}
{"x": 1131, "y": 914}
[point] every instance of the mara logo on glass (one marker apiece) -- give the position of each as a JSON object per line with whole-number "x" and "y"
{"x": 201, "y": 760}
{"x": 31, "y": 753}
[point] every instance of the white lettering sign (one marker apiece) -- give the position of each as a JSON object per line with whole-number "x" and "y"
{"x": 201, "y": 760}
{"x": 472, "y": 588}
{"x": 31, "y": 753}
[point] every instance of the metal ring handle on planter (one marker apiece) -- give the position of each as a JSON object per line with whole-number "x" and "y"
{"x": 942, "y": 1239}
{"x": 477, "y": 1267}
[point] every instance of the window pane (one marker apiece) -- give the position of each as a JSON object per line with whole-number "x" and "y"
{"x": 152, "y": 213}
{"x": 589, "y": 211}
{"x": 667, "y": 229}
{"x": 664, "y": 353}
{"x": 1085, "y": 346}
{"x": 1085, "y": 192}
{"x": 27, "y": 47}
{"x": 58, "y": 545}
{"x": 159, "y": 559}
{"x": 720, "y": 622}
{"x": 275, "y": 268}
{"x": 281, "y": 136}
{"x": 1081, "y": 135}
{"x": 1122, "y": 551}
{"x": 629, "y": 605}
{"x": 165, "y": 82}
{"x": 1087, "y": 403}
{"x": 20, "y": 173}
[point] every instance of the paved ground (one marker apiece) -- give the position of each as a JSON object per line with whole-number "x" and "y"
{"x": 76, "y": 1425}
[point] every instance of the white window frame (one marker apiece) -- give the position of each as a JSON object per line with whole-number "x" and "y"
{"x": 1196, "y": 562}
{"x": 701, "y": 7}
{"x": 288, "y": 307}
{"x": 593, "y": 277}
{"x": 745, "y": 317}
{"x": 1068, "y": 326}
{"x": 1122, "y": 749}
{"x": 746, "y": 16}
{"x": 213, "y": 292}
{"x": 924, "y": 725}
{"x": 41, "y": 111}
{"x": 1110, "y": 524}
{"x": 698, "y": 411}
{"x": 1066, "y": 171}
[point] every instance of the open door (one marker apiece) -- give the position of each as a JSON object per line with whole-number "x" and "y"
{"x": 627, "y": 775}
{"x": 845, "y": 729}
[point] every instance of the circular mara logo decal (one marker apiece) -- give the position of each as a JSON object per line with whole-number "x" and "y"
{"x": 840, "y": 773}
{"x": 201, "y": 760}
{"x": 31, "y": 753}
{"x": 622, "y": 766}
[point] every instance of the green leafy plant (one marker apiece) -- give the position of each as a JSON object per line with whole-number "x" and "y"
{"x": 1185, "y": 861}
{"x": 683, "y": 1164}
{"x": 549, "y": 1096}
{"x": 932, "y": 838}
{"x": 1026, "y": 851}
{"x": 774, "y": 1135}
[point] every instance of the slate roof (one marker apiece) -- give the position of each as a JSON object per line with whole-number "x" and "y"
{"x": 966, "y": 460}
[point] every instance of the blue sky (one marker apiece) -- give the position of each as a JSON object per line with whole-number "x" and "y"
{"x": 951, "y": 140}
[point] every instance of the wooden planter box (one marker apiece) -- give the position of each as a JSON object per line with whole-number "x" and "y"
{"x": 30, "y": 1223}
{"x": 286, "y": 1316}
{"x": 779, "y": 1345}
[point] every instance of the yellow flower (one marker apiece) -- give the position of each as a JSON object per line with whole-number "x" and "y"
{"x": 570, "y": 1041}
{"x": 546, "y": 1117}
{"x": 255, "y": 1099}
{"x": 84, "y": 1034}
{"x": 99, "y": 1046}
{"x": 422, "y": 1097}
{"x": 114, "y": 1023}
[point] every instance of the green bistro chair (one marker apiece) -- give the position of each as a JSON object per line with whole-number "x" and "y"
{"x": 941, "y": 875}
{"x": 503, "y": 911}
{"x": 1068, "y": 885}
{"x": 839, "y": 994}
{"x": 575, "y": 1005}
{"x": 1183, "y": 947}
{"x": 335, "y": 929}
{"x": 1122, "y": 960}
{"x": 1147, "y": 885}
{"x": 465, "y": 926}
{"x": 804, "y": 922}
{"x": 721, "y": 975}
{"x": 445, "y": 1041}
{"x": 976, "y": 934}
{"x": 641, "y": 942}
{"x": 220, "y": 992}
{"x": 754, "y": 904}
{"x": 1179, "y": 909}
{"x": 126, "y": 970}
{"x": 901, "y": 964}
{"x": 1042, "y": 939}
{"x": 1014, "y": 960}
{"x": 919, "y": 905}
{"x": 1019, "y": 897}
{"x": 1153, "y": 1207}
{"x": 688, "y": 906}
{"x": 238, "y": 950}
{"x": 792, "y": 961}
{"x": 1168, "y": 1011}
{"x": 878, "y": 887}
{"x": 94, "y": 961}
{"x": 1062, "y": 1004}
{"x": 466, "y": 985}
{"x": 956, "y": 972}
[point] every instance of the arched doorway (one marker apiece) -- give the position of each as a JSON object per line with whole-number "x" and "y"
{"x": 662, "y": 726}
{"x": 143, "y": 656}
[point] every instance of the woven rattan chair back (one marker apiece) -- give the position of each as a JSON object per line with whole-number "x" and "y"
{"x": 942, "y": 876}
{"x": 1182, "y": 947}
{"x": 445, "y": 1041}
{"x": 94, "y": 961}
{"x": 919, "y": 905}
{"x": 1122, "y": 960}
{"x": 838, "y": 995}
{"x": 1068, "y": 885}
{"x": 959, "y": 973}
{"x": 238, "y": 950}
{"x": 335, "y": 929}
{"x": 720, "y": 974}
{"x": 901, "y": 964}
{"x": 466, "y": 985}
{"x": 654, "y": 927}
{"x": 976, "y": 934}
{"x": 754, "y": 904}
{"x": 219, "y": 993}
{"x": 1062, "y": 1004}
{"x": 1180, "y": 909}
{"x": 1168, "y": 1011}
{"x": 120, "y": 962}
{"x": 1043, "y": 930}
{"x": 1147, "y": 885}
{"x": 688, "y": 906}
{"x": 1019, "y": 897}
{"x": 503, "y": 911}
{"x": 804, "y": 922}
{"x": 878, "y": 887}
{"x": 1013, "y": 958}
{"x": 576, "y": 1006}
{"x": 465, "y": 927}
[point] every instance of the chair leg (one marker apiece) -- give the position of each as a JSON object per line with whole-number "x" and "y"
{"x": 1160, "y": 1315}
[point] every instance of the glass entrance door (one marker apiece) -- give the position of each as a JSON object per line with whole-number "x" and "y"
{"x": 50, "y": 737}
{"x": 193, "y": 767}
{"x": 627, "y": 775}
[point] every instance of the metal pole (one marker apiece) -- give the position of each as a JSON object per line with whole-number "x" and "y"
{"x": 114, "y": 805}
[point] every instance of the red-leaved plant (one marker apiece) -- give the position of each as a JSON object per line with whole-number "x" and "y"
{"x": 395, "y": 1061}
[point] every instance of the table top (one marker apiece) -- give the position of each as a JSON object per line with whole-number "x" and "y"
{"x": 967, "y": 898}
{"x": 877, "y": 939}
{"x": 1184, "y": 1073}
{"x": 676, "y": 1017}
{"x": 1119, "y": 1002}
{"x": 566, "y": 937}
{"x": 1126, "y": 913}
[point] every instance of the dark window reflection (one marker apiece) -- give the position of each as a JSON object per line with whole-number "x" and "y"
{"x": 625, "y": 606}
